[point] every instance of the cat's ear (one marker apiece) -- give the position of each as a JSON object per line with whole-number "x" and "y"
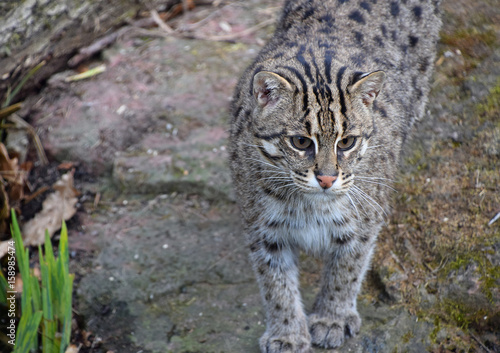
{"x": 269, "y": 87}
{"x": 367, "y": 86}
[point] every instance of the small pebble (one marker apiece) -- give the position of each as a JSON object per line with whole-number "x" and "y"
{"x": 121, "y": 110}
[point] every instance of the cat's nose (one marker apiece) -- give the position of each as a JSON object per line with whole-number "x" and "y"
{"x": 326, "y": 181}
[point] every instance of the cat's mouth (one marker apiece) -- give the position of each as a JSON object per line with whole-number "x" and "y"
{"x": 331, "y": 192}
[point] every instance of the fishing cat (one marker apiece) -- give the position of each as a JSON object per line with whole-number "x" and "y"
{"x": 319, "y": 120}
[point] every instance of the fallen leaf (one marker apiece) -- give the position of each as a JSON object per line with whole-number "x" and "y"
{"x": 12, "y": 174}
{"x": 86, "y": 335}
{"x": 18, "y": 284}
{"x": 58, "y": 206}
{"x": 7, "y": 164}
{"x": 66, "y": 165}
{"x": 72, "y": 349}
{"x": 4, "y": 208}
{"x": 4, "y": 248}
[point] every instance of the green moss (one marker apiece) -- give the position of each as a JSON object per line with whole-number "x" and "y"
{"x": 468, "y": 40}
{"x": 437, "y": 328}
{"x": 490, "y": 107}
{"x": 490, "y": 273}
{"x": 417, "y": 159}
{"x": 407, "y": 337}
{"x": 15, "y": 40}
{"x": 462, "y": 311}
{"x": 457, "y": 312}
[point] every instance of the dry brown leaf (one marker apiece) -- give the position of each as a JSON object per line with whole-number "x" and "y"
{"x": 12, "y": 174}
{"x": 72, "y": 349}
{"x": 7, "y": 164}
{"x": 4, "y": 247}
{"x": 86, "y": 335}
{"x": 58, "y": 206}
{"x": 4, "y": 205}
{"x": 66, "y": 165}
{"x": 18, "y": 285}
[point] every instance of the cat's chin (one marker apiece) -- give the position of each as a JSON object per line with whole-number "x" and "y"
{"x": 324, "y": 195}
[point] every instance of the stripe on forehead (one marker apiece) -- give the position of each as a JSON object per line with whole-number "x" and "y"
{"x": 340, "y": 73}
{"x": 341, "y": 125}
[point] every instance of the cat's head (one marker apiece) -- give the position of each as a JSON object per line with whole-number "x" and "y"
{"x": 315, "y": 135}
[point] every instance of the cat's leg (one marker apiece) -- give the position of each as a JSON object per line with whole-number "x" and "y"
{"x": 335, "y": 316}
{"x": 277, "y": 274}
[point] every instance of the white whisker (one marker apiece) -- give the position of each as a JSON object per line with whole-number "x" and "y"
{"x": 361, "y": 202}
{"x": 377, "y": 183}
{"x": 265, "y": 163}
{"x": 282, "y": 186}
{"x": 275, "y": 178}
{"x": 294, "y": 191}
{"x": 369, "y": 200}
{"x": 372, "y": 178}
{"x": 353, "y": 204}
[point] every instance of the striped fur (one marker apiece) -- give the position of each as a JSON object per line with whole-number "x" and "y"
{"x": 319, "y": 120}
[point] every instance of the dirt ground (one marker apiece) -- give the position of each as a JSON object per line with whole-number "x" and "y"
{"x": 157, "y": 247}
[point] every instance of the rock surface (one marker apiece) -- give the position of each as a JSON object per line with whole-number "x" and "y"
{"x": 158, "y": 250}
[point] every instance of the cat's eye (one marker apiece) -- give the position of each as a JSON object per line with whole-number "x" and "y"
{"x": 347, "y": 143}
{"x": 301, "y": 142}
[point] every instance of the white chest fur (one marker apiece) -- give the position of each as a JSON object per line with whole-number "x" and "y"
{"x": 315, "y": 225}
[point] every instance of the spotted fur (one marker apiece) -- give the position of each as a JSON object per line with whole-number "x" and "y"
{"x": 319, "y": 120}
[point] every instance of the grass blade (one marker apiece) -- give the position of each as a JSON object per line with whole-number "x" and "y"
{"x": 27, "y": 332}
{"x": 20, "y": 85}
{"x": 66, "y": 329}
{"x": 3, "y": 289}
{"x": 63, "y": 248}
{"x": 45, "y": 306}
{"x": 22, "y": 256}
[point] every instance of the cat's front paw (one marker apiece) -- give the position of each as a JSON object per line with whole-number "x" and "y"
{"x": 289, "y": 343}
{"x": 332, "y": 331}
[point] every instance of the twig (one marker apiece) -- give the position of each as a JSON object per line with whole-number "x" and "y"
{"x": 106, "y": 41}
{"x": 160, "y": 23}
{"x": 232, "y": 252}
{"x": 155, "y": 19}
{"x": 40, "y": 191}
{"x": 97, "y": 198}
{"x": 222, "y": 38}
{"x": 96, "y": 47}
{"x": 443, "y": 263}
{"x": 480, "y": 343}
{"x": 5, "y": 112}
{"x": 398, "y": 261}
{"x": 494, "y": 219}
{"x": 87, "y": 74}
{"x": 12, "y": 173}
{"x": 232, "y": 36}
{"x": 16, "y": 119}
{"x": 193, "y": 26}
